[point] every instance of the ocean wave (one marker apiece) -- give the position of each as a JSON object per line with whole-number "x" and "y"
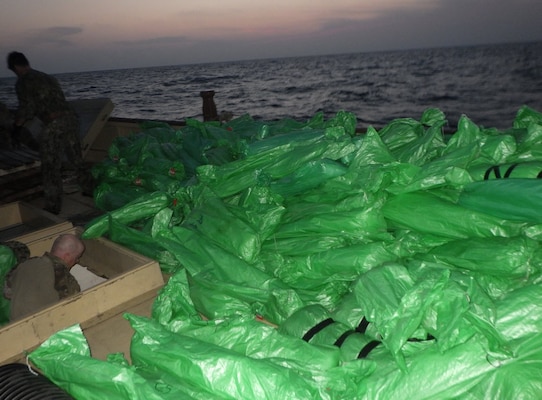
{"x": 488, "y": 83}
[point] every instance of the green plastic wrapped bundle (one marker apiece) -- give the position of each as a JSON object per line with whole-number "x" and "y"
{"x": 469, "y": 370}
{"x": 492, "y": 146}
{"x": 406, "y": 303}
{"x": 449, "y": 170}
{"x": 423, "y": 149}
{"x": 322, "y": 268}
{"x": 66, "y": 358}
{"x": 253, "y": 338}
{"x": 285, "y": 140}
{"x": 142, "y": 207}
{"x": 527, "y": 117}
{"x": 514, "y": 257}
{"x": 233, "y": 228}
{"x": 236, "y": 176}
{"x": 315, "y": 325}
{"x": 401, "y": 132}
{"x": 215, "y": 369}
{"x": 308, "y": 176}
{"x": 513, "y": 199}
{"x": 153, "y": 182}
{"x": 144, "y": 243}
{"x": 524, "y": 170}
{"x": 223, "y": 284}
{"x": 444, "y": 218}
{"x": 111, "y": 196}
{"x": 170, "y": 168}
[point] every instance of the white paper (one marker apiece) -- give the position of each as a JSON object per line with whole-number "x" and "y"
{"x": 85, "y": 278}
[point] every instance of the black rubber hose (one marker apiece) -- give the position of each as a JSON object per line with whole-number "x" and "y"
{"x": 18, "y": 383}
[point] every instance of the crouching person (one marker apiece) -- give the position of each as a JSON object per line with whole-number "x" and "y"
{"x": 41, "y": 281}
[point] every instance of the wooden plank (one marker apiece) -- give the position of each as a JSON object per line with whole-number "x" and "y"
{"x": 115, "y": 127}
{"x": 114, "y": 335}
{"x": 93, "y": 115}
{"x": 17, "y": 160}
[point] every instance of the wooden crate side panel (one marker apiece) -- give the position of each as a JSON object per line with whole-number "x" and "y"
{"x": 93, "y": 115}
{"x": 87, "y": 308}
{"x": 10, "y": 215}
{"x": 36, "y": 217}
{"x": 106, "y": 258}
{"x": 24, "y": 222}
{"x": 112, "y": 129}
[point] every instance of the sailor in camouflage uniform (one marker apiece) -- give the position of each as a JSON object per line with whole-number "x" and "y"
{"x": 38, "y": 282}
{"x": 40, "y": 95}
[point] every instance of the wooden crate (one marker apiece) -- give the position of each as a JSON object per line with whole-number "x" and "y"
{"x": 26, "y": 223}
{"x": 131, "y": 280}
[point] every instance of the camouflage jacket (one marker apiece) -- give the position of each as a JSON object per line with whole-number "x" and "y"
{"x": 65, "y": 283}
{"x": 40, "y": 95}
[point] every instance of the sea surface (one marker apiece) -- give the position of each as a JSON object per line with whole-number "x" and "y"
{"x": 488, "y": 84}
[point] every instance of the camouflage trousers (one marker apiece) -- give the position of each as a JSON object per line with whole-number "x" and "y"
{"x": 61, "y": 137}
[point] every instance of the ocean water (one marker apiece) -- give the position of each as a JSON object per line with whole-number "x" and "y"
{"x": 486, "y": 83}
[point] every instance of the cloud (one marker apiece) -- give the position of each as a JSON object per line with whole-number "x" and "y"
{"x": 439, "y": 23}
{"x": 161, "y": 40}
{"x": 58, "y": 35}
{"x": 341, "y": 25}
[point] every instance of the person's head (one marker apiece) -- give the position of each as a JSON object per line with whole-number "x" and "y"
{"x": 17, "y": 62}
{"x": 69, "y": 248}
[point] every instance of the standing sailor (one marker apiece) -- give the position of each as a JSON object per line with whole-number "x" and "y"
{"x": 40, "y": 95}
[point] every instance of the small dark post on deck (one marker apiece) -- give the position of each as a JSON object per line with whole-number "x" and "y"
{"x": 209, "y": 106}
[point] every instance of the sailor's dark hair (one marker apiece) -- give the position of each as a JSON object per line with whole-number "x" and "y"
{"x": 16, "y": 58}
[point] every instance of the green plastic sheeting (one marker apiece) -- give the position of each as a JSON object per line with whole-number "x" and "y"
{"x": 513, "y": 199}
{"x": 143, "y": 207}
{"x": 309, "y": 261}
{"x": 7, "y": 261}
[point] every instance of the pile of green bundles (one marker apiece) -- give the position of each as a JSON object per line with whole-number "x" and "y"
{"x": 399, "y": 263}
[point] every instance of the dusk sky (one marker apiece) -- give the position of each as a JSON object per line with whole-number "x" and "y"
{"x": 76, "y": 35}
